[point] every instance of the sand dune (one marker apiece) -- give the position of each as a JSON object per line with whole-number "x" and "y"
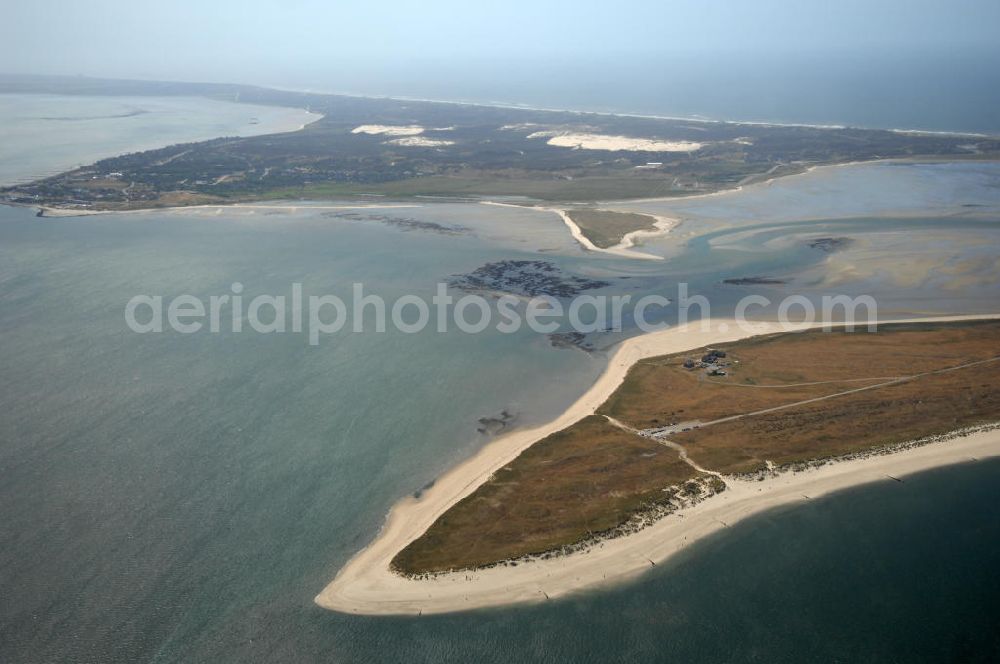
{"x": 586, "y": 141}
{"x": 389, "y": 130}
{"x": 420, "y": 141}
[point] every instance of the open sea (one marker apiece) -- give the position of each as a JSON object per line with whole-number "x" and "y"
{"x": 182, "y": 498}
{"x": 932, "y": 91}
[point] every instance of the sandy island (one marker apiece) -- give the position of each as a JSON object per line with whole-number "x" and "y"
{"x": 367, "y": 586}
{"x": 625, "y": 248}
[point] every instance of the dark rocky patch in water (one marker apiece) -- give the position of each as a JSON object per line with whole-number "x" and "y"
{"x": 491, "y": 426}
{"x": 830, "y": 244}
{"x": 571, "y": 340}
{"x": 527, "y": 278}
{"x": 403, "y": 223}
{"x": 754, "y": 281}
{"x": 420, "y": 492}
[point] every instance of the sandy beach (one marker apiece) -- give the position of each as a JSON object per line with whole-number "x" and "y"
{"x": 367, "y": 586}
{"x": 623, "y": 248}
{"x": 663, "y": 226}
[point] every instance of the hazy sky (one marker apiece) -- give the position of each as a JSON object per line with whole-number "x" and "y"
{"x": 264, "y": 41}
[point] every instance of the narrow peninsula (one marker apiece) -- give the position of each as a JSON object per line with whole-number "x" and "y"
{"x": 687, "y": 426}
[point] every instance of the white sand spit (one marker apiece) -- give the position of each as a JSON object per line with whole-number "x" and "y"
{"x": 625, "y": 248}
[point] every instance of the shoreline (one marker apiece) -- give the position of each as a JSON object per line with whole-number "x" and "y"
{"x": 366, "y": 585}
{"x": 49, "y": 210}
{"x": 513, "y": 106}
{"x": 770, "y": 179}
{"x": 45, "y": 212}
{"x": 663, "y": 226}
{"x": 275, "y": 129}
{"x": 625, "y": 248}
